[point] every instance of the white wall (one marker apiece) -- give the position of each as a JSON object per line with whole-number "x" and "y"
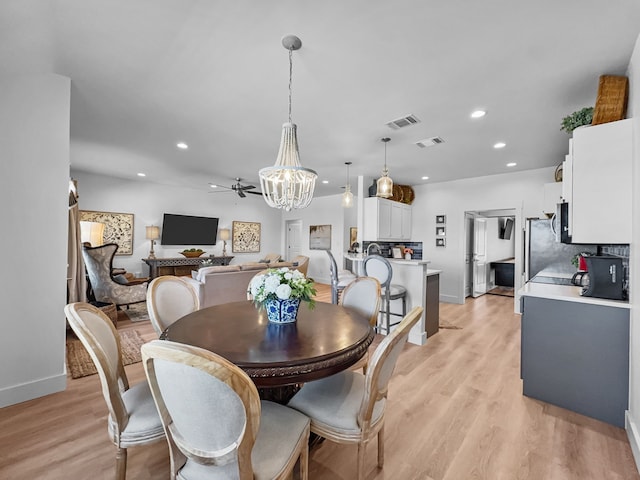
{"x": 324, "y": 211}
{"x": 148, "y": 202}
{"x": 498, "y": 248}
{"x": 633, "y": 414}
{"x": 34, "y": 179}
{"x": 522, "y": 191}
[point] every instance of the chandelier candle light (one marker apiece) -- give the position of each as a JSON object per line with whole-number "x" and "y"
{"x": 347, "y": 196}
{"x": 288, "y": 184}
{"x": 385, "y": 184}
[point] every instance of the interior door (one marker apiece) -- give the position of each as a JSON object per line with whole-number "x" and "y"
{"x": 480, "y": 267}
{"x": 294, "y": 238}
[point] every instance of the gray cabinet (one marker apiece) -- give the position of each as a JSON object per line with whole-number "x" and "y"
{"x": 576, "y": 355}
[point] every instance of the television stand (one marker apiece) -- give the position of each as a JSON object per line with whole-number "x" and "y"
{"x": 179, "y": 266}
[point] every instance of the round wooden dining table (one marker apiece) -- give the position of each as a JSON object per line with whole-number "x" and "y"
{"x": 278, "y": 357}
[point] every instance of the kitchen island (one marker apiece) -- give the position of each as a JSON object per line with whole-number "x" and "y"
{"x": 575, "y": 350}
{"x": 422, "y": 285}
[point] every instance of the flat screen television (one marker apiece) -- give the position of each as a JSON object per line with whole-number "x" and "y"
{"x": 189, "y": 230}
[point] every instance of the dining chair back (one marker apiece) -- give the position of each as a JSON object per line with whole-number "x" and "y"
{"x": 168, "y": 299}
{"x": 363, "y": 296}
{"x": 349, "y": 407}
{"x": 215, "y": 424}
{"x": 380, "y": 268}
{"x": 133, "y": 418}
{"x": 99, "y": 264}
{"x": 340, "y": 278}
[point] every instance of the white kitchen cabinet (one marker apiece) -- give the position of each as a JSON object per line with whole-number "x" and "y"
{"x": 386, "y": 220}
{"x": 552, "y": 196}
{"x": 601, "y": 183}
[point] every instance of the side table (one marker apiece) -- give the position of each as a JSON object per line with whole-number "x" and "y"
{"x": 179, "y": 265}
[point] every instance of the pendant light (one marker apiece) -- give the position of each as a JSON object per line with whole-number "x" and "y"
{"x": 288, "y": 184}
{"x": 385, "y": 184}
{"x": 347, "y": 196}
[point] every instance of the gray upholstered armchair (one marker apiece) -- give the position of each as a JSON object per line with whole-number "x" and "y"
{"x": 99, "y": 263}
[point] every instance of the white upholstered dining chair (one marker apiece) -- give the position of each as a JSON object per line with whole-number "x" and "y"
{"x": 168, "y": 299}
{"x": 349, "y": 407}
{"x": 133, "y": 418}
{"x": 380, "y": 268}
{"x": 363, "y": 296}
{"x": 215, "y": 423}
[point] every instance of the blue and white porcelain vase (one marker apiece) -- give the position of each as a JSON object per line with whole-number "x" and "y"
{"x": 282, "y": 311}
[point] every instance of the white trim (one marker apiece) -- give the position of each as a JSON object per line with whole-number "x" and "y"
{"x": 634, "y": 437}
{"x": 29, "y": 391}
{"x": 451, "y": 299}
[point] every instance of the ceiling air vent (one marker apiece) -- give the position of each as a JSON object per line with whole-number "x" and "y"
{"x": 429, "y": 142}
{"x": 403, "y": 122}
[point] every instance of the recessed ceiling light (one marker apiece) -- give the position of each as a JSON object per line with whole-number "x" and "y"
{"x": 500, "y": 145}
{"x": 213, "y": 185}
{"x": 425, "y": 178}
{"x": 511, "y": 164}
{"x": 325, "y": 181}
{"x": 478, "y": 114}
{"x": 142, "y": 174}
{"x": 182, "y": 145}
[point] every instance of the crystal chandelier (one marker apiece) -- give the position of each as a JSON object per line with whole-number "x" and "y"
{"x": 288, "y": 184}
{"x": 347, "y": 196}
{"x": 385, "y": 184}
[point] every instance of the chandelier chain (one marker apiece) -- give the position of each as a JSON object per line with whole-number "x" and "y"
{"x": 290, "y": 77}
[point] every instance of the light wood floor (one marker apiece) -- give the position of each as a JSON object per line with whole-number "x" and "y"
{"x": 455, "y": 412}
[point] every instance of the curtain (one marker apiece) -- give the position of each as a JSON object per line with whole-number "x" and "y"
{"x": 76, "y": 277}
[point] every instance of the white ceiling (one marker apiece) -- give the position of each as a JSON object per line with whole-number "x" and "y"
{"x": 149, "y": 73}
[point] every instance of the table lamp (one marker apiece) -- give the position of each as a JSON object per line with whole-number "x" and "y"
{"x": 92, "y": 233}
{"x": 153, "y": 233}
{"x": 225, "y": 234}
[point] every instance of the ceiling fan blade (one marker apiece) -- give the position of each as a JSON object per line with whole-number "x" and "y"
{"x": 240, "y": 193}
{"x": 255, "y": 193}
{"x": 245, "y": 187}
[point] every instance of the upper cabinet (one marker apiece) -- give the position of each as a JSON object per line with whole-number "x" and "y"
{"x": 597, "y": 183}
{"x": 552, "y": 197}
{"x": 386, "y": 220}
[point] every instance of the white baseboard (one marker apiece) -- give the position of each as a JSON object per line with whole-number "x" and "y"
{"x": 451, "y": 299}
{"x": 419, "y": 338}
{"x": 29, "y": 391}
{"x": 634, "y": 437}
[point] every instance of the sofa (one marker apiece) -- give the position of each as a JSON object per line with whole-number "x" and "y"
{"x": 229, "y": 283}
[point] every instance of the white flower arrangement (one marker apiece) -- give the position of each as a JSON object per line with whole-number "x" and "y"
{"x": 282, "y": 284}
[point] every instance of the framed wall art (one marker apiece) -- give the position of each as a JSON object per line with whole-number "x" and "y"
{"x": 118, "y": 228}
{"x": 319, "y": 237}
{"x": 245, "y": 237}
{"x": 441, "y": 219}
{"x": 440, "y": 231}
{"x": 353, "y": 235}
{"x": 441, "y": 242}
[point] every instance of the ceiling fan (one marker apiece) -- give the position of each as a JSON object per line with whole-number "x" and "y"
{"x": 237, "y": 187}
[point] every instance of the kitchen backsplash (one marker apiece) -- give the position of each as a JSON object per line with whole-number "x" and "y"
{"x": 385, "y": 248}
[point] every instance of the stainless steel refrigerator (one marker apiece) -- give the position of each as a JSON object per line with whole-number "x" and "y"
{"x": 543, "y": 250}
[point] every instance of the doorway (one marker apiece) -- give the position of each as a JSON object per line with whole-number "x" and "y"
{"x": 293, "y": 240}
{"x": 490, "y": 242}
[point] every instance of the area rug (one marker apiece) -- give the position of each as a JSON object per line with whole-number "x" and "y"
{"x": 79, "y": 362}
{"x": 136, "y": 312}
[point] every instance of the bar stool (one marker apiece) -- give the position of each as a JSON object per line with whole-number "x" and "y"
{"x": 339, "y": 278}
{"x": 380, "y": 268}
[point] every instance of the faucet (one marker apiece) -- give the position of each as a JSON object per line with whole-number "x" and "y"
{"x": 373, "y": 244}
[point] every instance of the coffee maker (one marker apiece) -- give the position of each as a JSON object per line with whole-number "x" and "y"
{"x": 606, "y": 278}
